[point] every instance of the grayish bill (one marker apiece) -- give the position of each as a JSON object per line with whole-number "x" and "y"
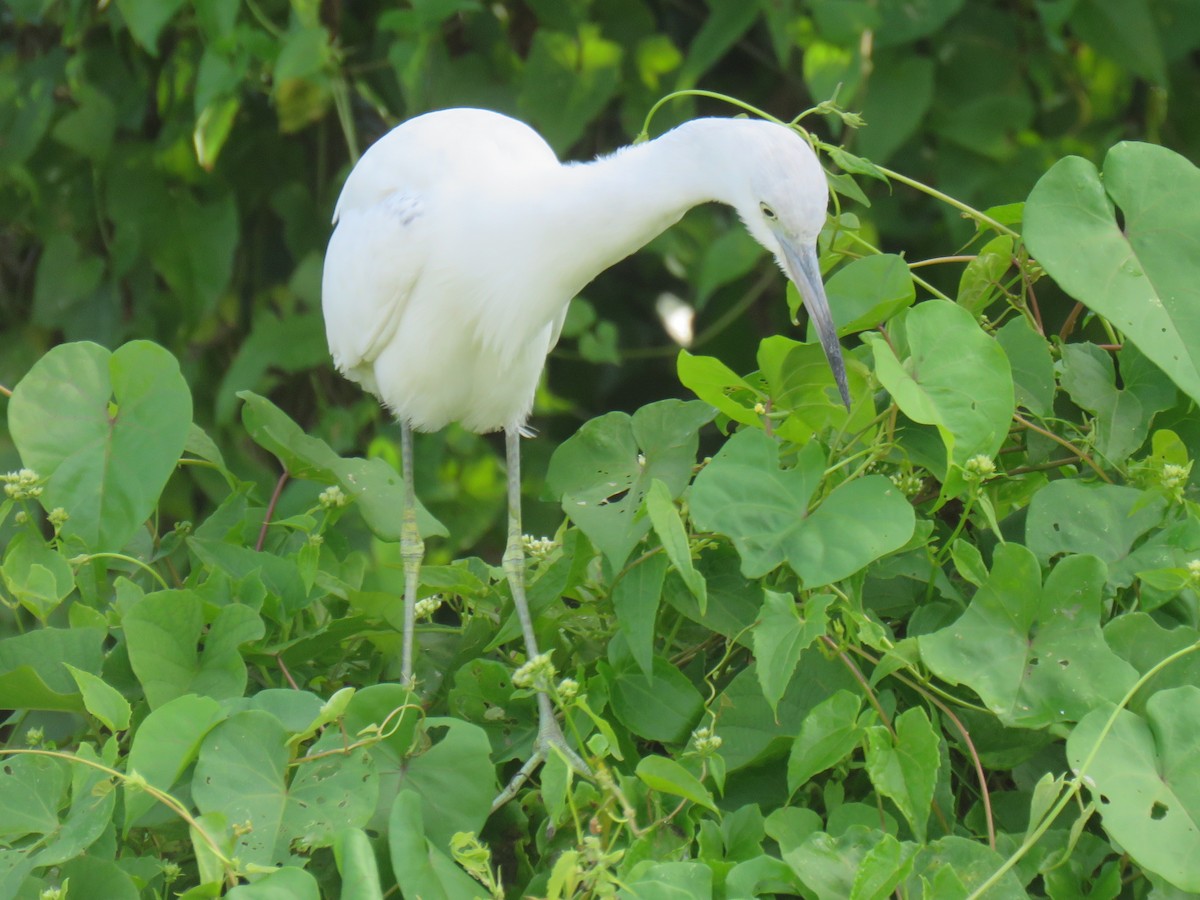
{"x": 805, "y": 271}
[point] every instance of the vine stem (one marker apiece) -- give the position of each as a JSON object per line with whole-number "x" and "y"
{"x": 975, "y": 214}
{"x": 1062, "y": 442}
{"x": 161, "y": 796}
{"x": 262, "y": 534}
{"x": 976, "y": 762}
{"x": 1077, "y": 782}
{"x": 123, "y": 558}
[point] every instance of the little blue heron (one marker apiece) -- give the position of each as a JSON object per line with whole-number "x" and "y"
{"x": 460, "y": 239}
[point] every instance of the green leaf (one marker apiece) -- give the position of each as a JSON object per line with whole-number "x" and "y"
{"x": 904, "y": 767}
{"x": 635, "y": 600}
{"x": 421, "y": 868}
{"x": 966, "y": 394}
{"x": 163, "y": 630}
{"x": 1143, "y": 277}
{"x": 102, "y": 700}
{"x": 981, "y": 281}
{"x": 901, "y": 92}
{"x": 829, "y": 734}
{"x": 663, "y": 708}
{"x": 31, "y": 792}
{"x": 719, "y": 386}
{"x": 107, "y": 430}
{"x": 241, "y": 773}
{"x": 102, "y": 877}
{"x": 1125, "y": 31}
{"x": 858, "y": 864}
{"x": 376, "y": 487}
{"x": 1101, "y": 519}
{"x": 357, "y": 865}
{"x": 454, "y": 778}
{"x": 667, "y": 776}
{"x": 568, "y": 79}
{"x": 752, "y": 732}
{"x": 1123, "y": 415}
{"x": 66, "y": 277}
{"x": 1034, "y": 653}
{"x": 165, "y": 745}
{"x": 782, "y": 634}
{"x": 664, "y": 516}
{"x": 33, "y": 672}
{"x": 289, "y": 883}
{"x": 904, "y": 21}
{"x": 969, "y": 863}
{"x": 1032, "y": 367}
{"x": 35, "y": 574}
{"x": 603, "y": 472}
{"x": 867, "y": 291}
{"x": 147, "y": 18}
{"x": 801, "y": 383}
{"x": 1145, "y": 776}
{"x": 744, "y": 495}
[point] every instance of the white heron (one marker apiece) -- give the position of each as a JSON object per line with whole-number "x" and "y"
{"x": 460, "y": 240}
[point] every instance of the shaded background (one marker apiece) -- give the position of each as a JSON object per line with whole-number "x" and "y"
{"x": 168, "y": 171}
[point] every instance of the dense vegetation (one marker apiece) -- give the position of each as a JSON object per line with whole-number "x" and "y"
{"x": 941, "y": 645}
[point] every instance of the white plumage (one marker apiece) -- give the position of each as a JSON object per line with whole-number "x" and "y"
{"x": 459, "y": 241}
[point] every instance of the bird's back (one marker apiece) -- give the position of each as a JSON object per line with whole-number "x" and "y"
{"x": 412, "y": 279}
{"x": 439, "y": 148}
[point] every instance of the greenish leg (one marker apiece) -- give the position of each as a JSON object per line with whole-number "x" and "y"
{"x": 549, "y": 732}
{"x": 412, "y": 552}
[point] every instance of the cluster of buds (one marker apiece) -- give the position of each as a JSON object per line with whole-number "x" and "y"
{"x": 706, "y": 741}
{"x": 538, "y": 673}
{"x": 332, "y": 497}
{"x": 538, "y": 547}
{"x": 427, "y": 606}
{"x": 22, "y": 485}
{"x": 568, "y": 689}
{"x": 980, "y": 467}
{"x": 1174, "y": 478}
{"x": 909, "y": 483}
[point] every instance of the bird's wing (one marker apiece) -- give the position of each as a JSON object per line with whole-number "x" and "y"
{"x": 374, "y": 260}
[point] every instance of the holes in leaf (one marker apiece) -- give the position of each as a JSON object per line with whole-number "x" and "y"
{"x": 1063, "y": 663}
{"x": 614, "y": 498}
{"x": 1158, "y": 811}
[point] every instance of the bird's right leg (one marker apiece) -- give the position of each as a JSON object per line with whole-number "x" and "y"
{"x": 412, "y": 552}
{"x": 549, "y": 733}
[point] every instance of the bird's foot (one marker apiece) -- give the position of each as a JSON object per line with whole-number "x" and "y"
{"x": 550, "y": 739}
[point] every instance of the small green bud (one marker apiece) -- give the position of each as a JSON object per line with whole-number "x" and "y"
{"x": 537, "y": 673}
{"x": 333, "y": 497}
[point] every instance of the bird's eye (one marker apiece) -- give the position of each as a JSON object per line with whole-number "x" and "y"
{"x": 767, "y": 211}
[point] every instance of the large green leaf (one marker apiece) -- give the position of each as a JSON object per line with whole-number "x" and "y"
{"x": 764, "y": 510}
{"x": 603, "y": 472}
{"x": 953, "y": 376}
{"x": 904, "y": 765}
{"x": 1033, "y": 652}
{"x": 1123, "y": 415}
{"x": 165, "y": 744}
{"x": 107, "y": 430}
{"x": 163, "y": 631}
{"x": 1145, "y": 775}
{"x": 781, "y": 634}
{"x": 375, "y": 486}
{"x": 1142, "y": 273}
{"x": 242, "y": 772}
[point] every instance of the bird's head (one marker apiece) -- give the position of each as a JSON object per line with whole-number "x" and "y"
{"x": 780, "y": 192}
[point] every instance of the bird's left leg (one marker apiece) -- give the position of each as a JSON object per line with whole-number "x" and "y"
{"x": 549, "y": 733}
{"x": 412, "y": 552}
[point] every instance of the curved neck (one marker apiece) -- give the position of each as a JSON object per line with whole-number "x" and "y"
{"x": 617, "y": 204}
